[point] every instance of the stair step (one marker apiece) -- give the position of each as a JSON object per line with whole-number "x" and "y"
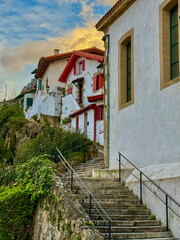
{"x": 129, "y": 223}
{"x": 136, "y": 229}
{"x": 123, "y": 217}
{"x": 137, "y": 235}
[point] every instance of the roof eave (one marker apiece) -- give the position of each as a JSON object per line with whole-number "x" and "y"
{"x": 114, "y": 13}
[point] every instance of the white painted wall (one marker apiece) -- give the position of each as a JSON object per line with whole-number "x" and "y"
{"x": 69, "y": 105}
{"x": 27, "y": 95}
{"x": 148, "y": 131}
{"x": 53, "y": 73}
{"x": 90, "y": 127}
{"x": 46, "y": 104}
{"x": 90, "y": 69}
{"x": 167, "y": 176}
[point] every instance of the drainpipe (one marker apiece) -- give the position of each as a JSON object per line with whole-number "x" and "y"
{"x": 108, "y": 97}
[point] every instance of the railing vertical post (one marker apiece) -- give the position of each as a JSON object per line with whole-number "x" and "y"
{"x": 141, "y": 188}
{"x": 84, "y": 156}
{"x": 72, "y": 180}
{"x": 167, "y": 216}
{"x": 119, "y": 167}
{"x": 90, "y": 205}
{"x": 109, "y": 229}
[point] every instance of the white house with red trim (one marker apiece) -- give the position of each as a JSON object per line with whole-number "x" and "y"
{"x": 47, "y": 101}
{"x": 84, "y": 93}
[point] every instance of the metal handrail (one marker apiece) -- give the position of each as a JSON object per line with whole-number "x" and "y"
{"x": 87, "y": 192}
{"x": 168, "y": 196}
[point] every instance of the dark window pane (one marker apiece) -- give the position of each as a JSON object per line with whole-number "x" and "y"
{"x": 175, "y": 54}
{"x": 175, "y": 70}
{"x": 174, "y": 35}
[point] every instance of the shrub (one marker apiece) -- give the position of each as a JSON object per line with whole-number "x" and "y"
{"x": 20, "y": 190}
{"x": 47, "y": 143}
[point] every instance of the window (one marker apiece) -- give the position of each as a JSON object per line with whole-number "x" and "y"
{"x": 98, "y": 82}
{"x": 174, "y": 42}
{"x": 80, "y": 67}
{"x": 99, "y": 112}
{"x": 169, "y": 43}
{"x": 29, "y": 102}
{"x": 126, "y": 71}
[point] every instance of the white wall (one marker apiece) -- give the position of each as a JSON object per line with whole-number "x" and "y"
{"x": 90, "y": 69}
{"x": 167, "y": 176}
{"x": 28, "y": 95}
{"x": 53, "y": 73}
{"x": 148, "y": 131}
{"x": 69, "y": 105}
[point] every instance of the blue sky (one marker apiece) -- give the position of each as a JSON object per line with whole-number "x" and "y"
{"x": 30, "y": 29}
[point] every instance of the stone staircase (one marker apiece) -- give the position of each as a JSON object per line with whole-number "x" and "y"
{"x": 130, "y": 219}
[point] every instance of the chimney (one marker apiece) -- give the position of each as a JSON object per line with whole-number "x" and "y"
{"x": 56, "y": 51}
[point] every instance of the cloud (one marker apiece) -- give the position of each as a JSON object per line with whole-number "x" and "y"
{"x": 107, "y": 2}
{"x": 15, "y": 58}
{"x": 87, "y": 11}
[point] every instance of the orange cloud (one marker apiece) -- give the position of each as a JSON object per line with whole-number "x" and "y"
{"x": 16, "y": 58}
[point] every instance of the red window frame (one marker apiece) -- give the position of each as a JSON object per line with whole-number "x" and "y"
{"x": 98, "y": 82}
{"x": 99, "y": 112}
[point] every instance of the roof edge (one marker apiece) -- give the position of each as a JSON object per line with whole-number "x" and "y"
{"x": 115, "y": 12}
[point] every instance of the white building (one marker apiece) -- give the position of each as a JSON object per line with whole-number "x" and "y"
{"x": 143, "y": 92}
{"x": 83, "y": 102}
{"x": 47, "y": 102}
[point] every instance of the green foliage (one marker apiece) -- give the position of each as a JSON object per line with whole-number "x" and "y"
{"x": 20, "y": 190}
{"x": 66, "y": 120}
{"x": 16, "y": 214}
{"x": 48, "y": 141}
{"x": 11, "y": 118}
{"x": 4, "y": 153}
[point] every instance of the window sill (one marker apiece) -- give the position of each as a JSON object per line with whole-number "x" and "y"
{"x": 126, "y": 104}
{"x": 169, "y": 83}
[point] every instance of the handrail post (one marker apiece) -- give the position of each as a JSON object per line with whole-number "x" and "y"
{"x": 119, "y": 167}
{"x": 84, "y": 156}
{"x": 90, "y": 205}
{"x": 167, "y": 216}
{"x": 109, "y": 229}
{"x": 72, "y": 180}
{"x": 141, "y": 188}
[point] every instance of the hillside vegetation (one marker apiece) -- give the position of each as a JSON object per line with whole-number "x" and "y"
{"x": 27, "y": 167}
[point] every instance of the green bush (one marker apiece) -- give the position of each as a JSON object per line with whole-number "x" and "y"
{"x": 16, "y": 214}
{"x": 11, "y": 118}
{"x": 66, "y": 120}
{"x": 20, "y": 190}
{"x": 47, "y": 143}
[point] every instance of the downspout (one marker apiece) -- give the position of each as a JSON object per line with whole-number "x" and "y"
{"x": 108, "y": 98}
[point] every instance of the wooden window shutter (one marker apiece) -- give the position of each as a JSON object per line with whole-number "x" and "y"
{"x": 83, "y": 65}
{"x": 74, "y": 69}
{"x": 95, "y": 83}
{"x": 100, "y": 81}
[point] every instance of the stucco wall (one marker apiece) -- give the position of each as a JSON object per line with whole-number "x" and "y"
{"x": 53, "y": 73}
{"x": 148, "y": 131}
{"x": 90, "y": 69}
{"x": 167, "y": 176}
{"x": 69, "y": 105}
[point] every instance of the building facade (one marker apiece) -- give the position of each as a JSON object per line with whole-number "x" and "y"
{"x": 84, "y": 92}
{"x": 142, "y": 117}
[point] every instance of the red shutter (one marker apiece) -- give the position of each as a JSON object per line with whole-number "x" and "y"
{"x": 69, "y": 91}
{"x": 75, "y": 69}
{"x": 95, "y": 83}
{"x": 83, "y": 65}
{"x": 77, "y": 123}
{"x": 100, "y": 81}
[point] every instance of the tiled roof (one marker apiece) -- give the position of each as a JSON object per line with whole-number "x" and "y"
{"x": 44, "y": 61}
{"x": 113, "y": 12}
{"x": 95, "y": 98}
{"x": 74, "y": 58}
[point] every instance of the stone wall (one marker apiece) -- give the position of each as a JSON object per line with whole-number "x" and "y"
{"x": 62, "y": 217}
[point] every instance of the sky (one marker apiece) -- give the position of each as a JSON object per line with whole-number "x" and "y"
{"x": 30, "y": 29}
